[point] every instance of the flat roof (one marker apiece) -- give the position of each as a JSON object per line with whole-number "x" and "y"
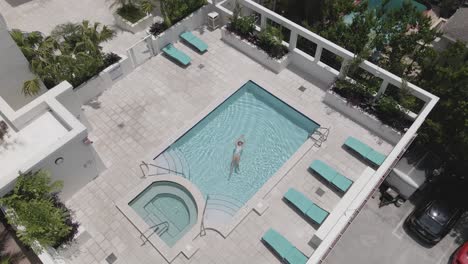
{"x": 21, "y": 146}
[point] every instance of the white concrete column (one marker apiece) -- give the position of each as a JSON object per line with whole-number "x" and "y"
{"x": 318, "y": 53}
{"x": 263, "y": 21}
{"x": 382, "y": 89}
{"x": 292, "y": 40}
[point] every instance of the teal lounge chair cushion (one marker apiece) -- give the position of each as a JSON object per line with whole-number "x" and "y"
{"x": 331, "y": 175}
{"x": 277, "y": 242}
{"x": 357, "y": 146}
{"x": 376, "y": 157}
{"x": 365, "y": 151}
{"x": 194, "y": 41}
{"x": 317, "y": 214}
{"x": 177, "y": 54}
{"x": 298, "y": 199}
{"x": 295, "y": 256}
{"x": 306, "y": 206}
{"x": 323, "y": 169}
{"x": 283, "y": 247}
{"x": 342, "y": 183}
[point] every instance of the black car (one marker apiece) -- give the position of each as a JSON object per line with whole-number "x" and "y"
{"x": 432, "y": 221}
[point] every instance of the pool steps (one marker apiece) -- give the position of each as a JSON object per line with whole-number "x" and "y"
{"x": 220, "y": 209}
{"x": 172, "y": 161}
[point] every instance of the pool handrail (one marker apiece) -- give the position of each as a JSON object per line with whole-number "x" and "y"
{"x": 143, "y": 163}
{"x": 155, "y": 230}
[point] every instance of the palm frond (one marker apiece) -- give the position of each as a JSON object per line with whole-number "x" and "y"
{"x": 31, "y": 87}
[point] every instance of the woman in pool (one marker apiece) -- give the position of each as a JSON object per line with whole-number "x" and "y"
{"x": 237, "y": 154}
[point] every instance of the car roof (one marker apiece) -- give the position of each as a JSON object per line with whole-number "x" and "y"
{"x": 441, "y": 211}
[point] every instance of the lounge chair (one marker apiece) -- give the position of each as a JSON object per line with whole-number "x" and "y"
{"x": 194, "y": 41}
{"x": 287, "y": 252}
{"x": 306, "y": 206}
{"x": 365, "y": 151}
{"x": 177, "y": 54}
{"x": 331, "y": 175}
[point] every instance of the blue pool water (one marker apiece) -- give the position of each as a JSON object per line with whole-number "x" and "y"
{"x": 273, "y": 132}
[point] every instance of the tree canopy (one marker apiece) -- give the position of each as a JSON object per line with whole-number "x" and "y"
{"x": 72, "y": 53}
{"x": 445, "y": 132}
{"x": 34, "y": 208}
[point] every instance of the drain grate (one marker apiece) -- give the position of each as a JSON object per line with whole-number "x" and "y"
{"x": 111, "y": 258}
{"x": 302, "y": 88}
{"x": 320, "y": 192}
{"x": 201, "y": 66}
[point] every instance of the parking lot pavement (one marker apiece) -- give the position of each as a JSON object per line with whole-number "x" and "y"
{"x": 377, "y": 236}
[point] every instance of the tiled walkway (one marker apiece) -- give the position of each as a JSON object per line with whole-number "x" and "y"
{"x": 44, "y": 15}
{"x": 145, "y": 108}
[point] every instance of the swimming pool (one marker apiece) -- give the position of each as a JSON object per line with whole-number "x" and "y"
{"x": 168, "y": 209}
{"x": 273, "y": 132}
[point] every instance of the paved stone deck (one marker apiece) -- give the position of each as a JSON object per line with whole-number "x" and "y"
{"x": 145, "y": 108}
{"x": 44, "y": 15}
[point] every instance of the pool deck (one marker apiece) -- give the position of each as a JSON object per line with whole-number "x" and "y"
{"x": 44, "y": 15}
{"x": 155, "y": 102}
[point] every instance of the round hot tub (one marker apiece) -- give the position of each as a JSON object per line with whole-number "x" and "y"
{"x": 168, "y": 208}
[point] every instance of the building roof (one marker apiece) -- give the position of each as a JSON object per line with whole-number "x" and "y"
{"x": 457, "y": 26}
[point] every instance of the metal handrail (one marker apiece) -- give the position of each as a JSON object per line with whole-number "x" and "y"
{"x": 172, "y": 159}
{"x": 155, "y": 230}
{"x": 202, "y": 225}
{"x": 150, "y": 164}
{"x": 323, "y": 136}
{"x": 164, "y": 229}
{"x": 186, "y": 163}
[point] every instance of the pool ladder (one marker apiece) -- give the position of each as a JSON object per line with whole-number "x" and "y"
{"x": 146, "y": 165}
{"x": 320, "y": 135}
{"x": 158, "y": 229}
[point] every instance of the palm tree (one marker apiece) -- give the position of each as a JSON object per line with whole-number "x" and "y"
{"x": 146, "y": 6}
{"x": 31, "y": 87}
{"x": 27, "y": 42}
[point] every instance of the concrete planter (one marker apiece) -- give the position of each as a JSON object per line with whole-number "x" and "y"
{"x": 138, "y": 26}
{"x": 276, "y": 65}
{"x": 105, "y": 79}
{"x": 362, "y": 117}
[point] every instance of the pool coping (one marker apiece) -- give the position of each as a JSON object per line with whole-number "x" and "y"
{"x": 258, "y": 202}
{"x": 186, "y": 244}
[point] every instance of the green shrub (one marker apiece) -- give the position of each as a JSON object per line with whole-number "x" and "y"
{"x": 175, "y": 10}
{"x": 109, "y": 59}
{"x": 243, "y": 26}
{"x": 270, "y": 40}
{"x": 390, "y": 113}
{"x": 157, "y": 28}
{"x": 131, "y": 12}
{"x": 355, "y": 93}
{"x": 386, "y": 109}
{"x": 33, "y": 205}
